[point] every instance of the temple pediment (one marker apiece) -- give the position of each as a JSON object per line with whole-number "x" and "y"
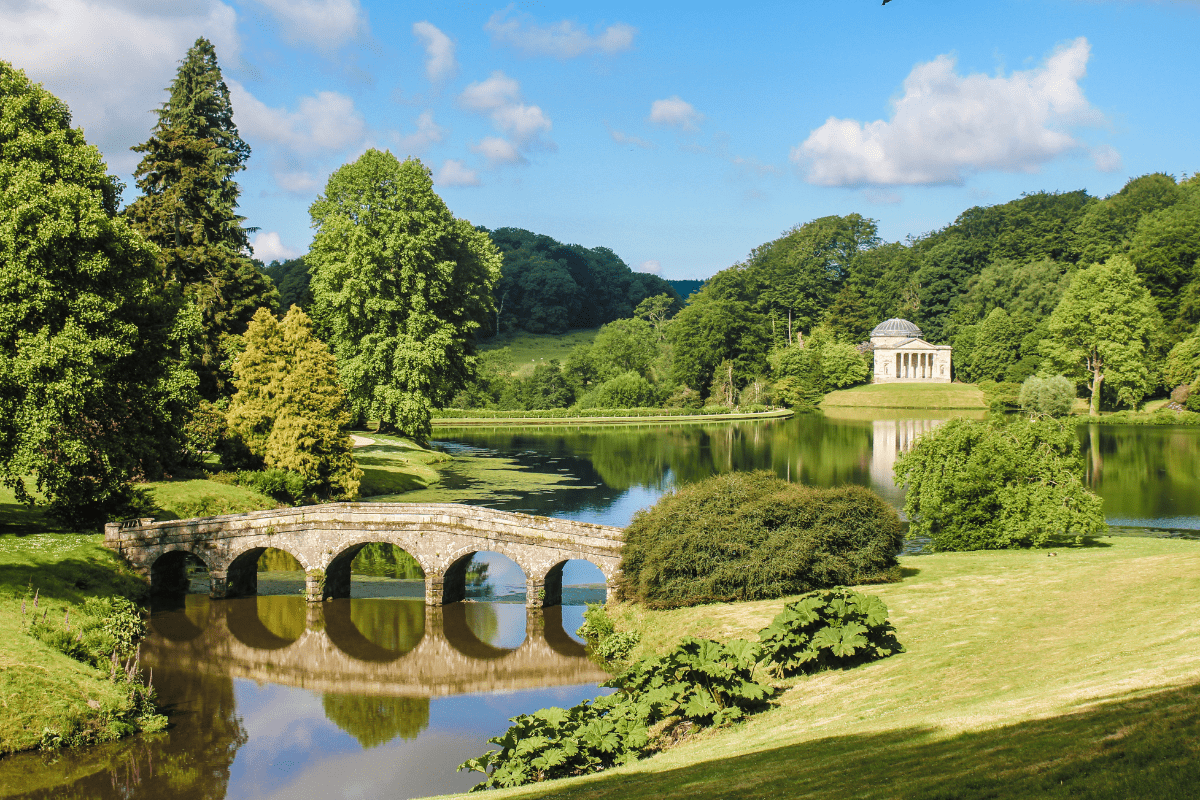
{"x": 902, "y": 356}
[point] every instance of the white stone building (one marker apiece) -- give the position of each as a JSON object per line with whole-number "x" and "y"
{"x": 902, "y": 356}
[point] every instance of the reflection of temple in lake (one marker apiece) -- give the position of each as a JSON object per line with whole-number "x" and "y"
{"x": 890, "y": 438}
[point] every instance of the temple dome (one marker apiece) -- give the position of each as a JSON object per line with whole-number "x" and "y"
{"x": 896, "y": 327}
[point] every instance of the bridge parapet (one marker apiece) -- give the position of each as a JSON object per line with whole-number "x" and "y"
{"x": 325, "y": 538}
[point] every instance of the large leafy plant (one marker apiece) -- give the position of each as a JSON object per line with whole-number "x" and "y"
{"x": 834, "y": 629}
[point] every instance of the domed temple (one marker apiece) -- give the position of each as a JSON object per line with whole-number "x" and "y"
{"x": 902, "y": 356}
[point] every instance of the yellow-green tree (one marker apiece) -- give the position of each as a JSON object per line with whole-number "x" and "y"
{"x": 289, "y": 408}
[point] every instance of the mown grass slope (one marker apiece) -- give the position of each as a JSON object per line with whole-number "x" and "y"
{"x": 907, "y": 395}
{"x": 531, "y": 349}
{"x": 1026, "y": 675}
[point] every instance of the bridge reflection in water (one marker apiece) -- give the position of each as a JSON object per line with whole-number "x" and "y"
{"x": 395, "y": 647}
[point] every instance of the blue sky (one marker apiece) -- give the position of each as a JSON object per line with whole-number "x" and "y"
{"x": 679, "y": 135}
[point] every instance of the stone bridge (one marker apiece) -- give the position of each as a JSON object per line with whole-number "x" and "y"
{"x": 333, "y": 656}
{"x": 442, "y": 537}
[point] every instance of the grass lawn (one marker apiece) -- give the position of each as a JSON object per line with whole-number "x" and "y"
{"x": 907, "y": 395}
{"x": 1026, "y": 676}
{"x": 531, "y": 349}
{"x": 204, "y": 498}
{"x": 40, "y": 688}
{"x": 394, "y": 464}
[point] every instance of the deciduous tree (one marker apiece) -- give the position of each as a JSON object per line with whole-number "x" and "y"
{"x": 1104, "y": 330}
{"x": 399, "y": 287}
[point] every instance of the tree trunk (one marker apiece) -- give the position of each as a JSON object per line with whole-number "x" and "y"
{"x": 1094, "y": 406}
{"x": 789, "y": 327}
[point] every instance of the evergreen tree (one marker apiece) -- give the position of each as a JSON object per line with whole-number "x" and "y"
{"x": 307, "y": 436}
{"x": 289, "y": 408}
{"x": 399, "y": 288}
{"x": 88, "y": 396}
{"x": 189, "y": 204}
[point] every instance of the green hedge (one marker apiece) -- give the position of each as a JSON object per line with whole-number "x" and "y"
{"x": 752, "y": 536}
{"x": 570, "y": 413}
{"x": 1160, "y": 417}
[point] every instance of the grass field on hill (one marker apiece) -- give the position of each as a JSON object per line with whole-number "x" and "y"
{"x": 531, "y": 349}
{"x": 1026, "y": 676}
{"x": 907, "y": 395}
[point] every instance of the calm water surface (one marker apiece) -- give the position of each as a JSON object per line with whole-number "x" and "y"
{"x": 379, "y": 697}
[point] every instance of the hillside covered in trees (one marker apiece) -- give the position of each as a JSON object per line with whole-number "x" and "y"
{"x": 1103, "y": 290}
{"x": 546, "y": 286}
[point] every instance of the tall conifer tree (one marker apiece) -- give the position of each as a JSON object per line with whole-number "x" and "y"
{"x": 189, "y": 205}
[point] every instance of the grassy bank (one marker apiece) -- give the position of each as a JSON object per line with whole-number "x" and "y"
{"x": 40, "y": 688}
{"x": 531, "y": 349}
{"x": 1026, "y": 675}
{"x": 908, "y": 395}
{"x": 593, "y": 416}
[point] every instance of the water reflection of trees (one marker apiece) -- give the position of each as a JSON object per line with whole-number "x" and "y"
{"x": 394, "y": 625}
{"x": 1143, "y": 472}
{"x": 374, "y": 721}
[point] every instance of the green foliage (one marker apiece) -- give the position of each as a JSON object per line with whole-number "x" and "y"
{"x": 990, "y": 485}
{"x": 550, "y": 287}
{"x": 289, "y": 410}
{"x": 1183, "y": 362}
{"x": 383, "y": 234}
{"x": 750, "y": 535}
{"x": 204, "y": 429}
{"x": 607, "y": 643}
{"x": 1053, "y": 396}
{"x": 188, "y": 208}
{"x": 835, "y": 629}
{"x": 291, "y": 278}
{"x": 803, "y": 374}
{"x": 281, "y": 484}
{"x": 1105, "y": 330}
{"x": 89, "y": 398}
{"x": 627, "y": 390}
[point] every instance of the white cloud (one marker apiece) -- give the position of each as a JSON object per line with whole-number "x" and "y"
{"x": 110, "y": 59}
{"x": 562, "y": 39}
{"x": 428, "y": 132}
{"x": 440, "y": 63}
{"x": 1106, "y": 158}
{"x": 675, "y": 112}
{"x": 297, "y": 182}
{"x": 325, "y": 121}
{"x": 456, "y": 173}
{"x": 499, "y": 97}
{"x": 652, "y": 266}
{"x": 946, "y": 126}
{"x": 498, "y": 151}
{"x": 325, "y": 23}
{"x": 623, "y": 138}
{"x": 268, "y": 247}
{"x": 497, "y": 91}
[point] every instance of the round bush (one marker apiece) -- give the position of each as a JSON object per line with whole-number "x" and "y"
{"x": 752, "y": 536}
{"x": 1053, "y": 396}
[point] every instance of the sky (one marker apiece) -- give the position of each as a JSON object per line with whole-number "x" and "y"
{"x": 680, "y": 136}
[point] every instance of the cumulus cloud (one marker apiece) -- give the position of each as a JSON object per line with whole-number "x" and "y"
{"x": 456, "y": 173}
{"x": 652, "y": 266}
{"x": 562, "y": 39}
{"x": 499, "y": 97}
{"x": 440, "y": 63}
{"x": 268, "y": 247}
{"x": 621, "y": 137}
{"x": 110, "y": 59}
{"x": 325, "y": 121}
{"x": 498, "y": 151}
{"x": 297, "y": 181}
{"x": 1106, "y": 158}
{"x": 675, "y": 112}
{"x": 946, "y": 126}
{"x": 325, "y": 23}
{"x": 428, "y": 132}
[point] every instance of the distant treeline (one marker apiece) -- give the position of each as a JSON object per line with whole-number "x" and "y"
{"x": 545, "y": 286}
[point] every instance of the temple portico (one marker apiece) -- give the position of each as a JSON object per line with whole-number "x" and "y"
{"x": 902, "y": 356}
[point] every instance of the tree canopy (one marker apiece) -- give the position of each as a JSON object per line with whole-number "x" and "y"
{"x": 399, "y": 288}
{"x": 89, "y": 397}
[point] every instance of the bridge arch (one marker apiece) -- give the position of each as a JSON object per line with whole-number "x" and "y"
{"x": 338, "y": 571}
{"x": 242, "y": 618}
{"x": 241, "y": 571}
{"x": 169, "y": 570}
{"x": 454, "y": 577}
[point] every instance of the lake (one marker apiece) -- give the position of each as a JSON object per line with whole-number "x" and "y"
{"x": 379, "y": 696}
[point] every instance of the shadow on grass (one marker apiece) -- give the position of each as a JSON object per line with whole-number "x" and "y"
{"x": 1144, "y": 746}
{"x": 71, "y": 580}
{"x": 22, "y": 519}
{"x": 909, "y": 572}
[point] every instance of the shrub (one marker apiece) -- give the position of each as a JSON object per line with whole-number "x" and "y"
{"x": 627, "y": 390}
{"x": 991, "y": 485}
{"x": 281, "y": 484}
{"x": 834, "y": 629}
{"x": 1053, "y": 396}
{"x": 607, "y": 643}
{"x": 750, "y": 536}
